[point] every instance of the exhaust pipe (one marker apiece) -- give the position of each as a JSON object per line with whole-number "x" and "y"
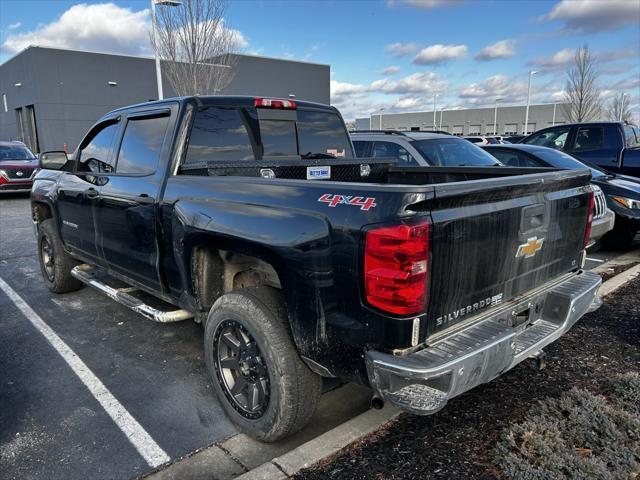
{"x": 377, "y": 402}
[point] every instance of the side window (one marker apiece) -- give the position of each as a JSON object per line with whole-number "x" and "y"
{"x": 141, "y": 144}
{"x": 555, "y": 138}
{"x": 219, "y": 134}
{"x": 513, "y": 158}
{"x": 589, "y": 138}
{"x": 95, "y": 157}
{"x": 393, "y": 150}
{"x": 629, "y": 136}
{"x": 360, "y": 148}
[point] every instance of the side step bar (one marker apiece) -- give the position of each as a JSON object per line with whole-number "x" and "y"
{"x": 94, "y": 277}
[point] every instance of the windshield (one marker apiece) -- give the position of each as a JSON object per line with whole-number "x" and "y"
{"x": 15, "y": 152}
{"x": 562, "y": 160}
{"x": 453, "y": 152}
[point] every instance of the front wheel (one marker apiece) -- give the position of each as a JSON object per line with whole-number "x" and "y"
{"x": 261, "y": 381}
{"x": 55, "y": 263}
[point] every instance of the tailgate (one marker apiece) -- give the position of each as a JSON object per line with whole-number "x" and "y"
{"x": 495, "y": 239}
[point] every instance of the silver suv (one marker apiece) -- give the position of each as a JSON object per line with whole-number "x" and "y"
{"x": 420, "y": 148}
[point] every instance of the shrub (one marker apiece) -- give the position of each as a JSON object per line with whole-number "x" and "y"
{"x": 577, "y": 436}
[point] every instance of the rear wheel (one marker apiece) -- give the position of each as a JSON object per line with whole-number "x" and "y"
{"x": 55, "y": 263}
{"x": 264, "y": 386}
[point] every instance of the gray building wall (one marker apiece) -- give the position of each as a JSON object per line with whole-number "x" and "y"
{"x": 56, "y": 95}
{"x": 479, "y": 121}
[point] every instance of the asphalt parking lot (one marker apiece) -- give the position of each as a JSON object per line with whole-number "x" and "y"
{"x": 52, "y": 425}
{"x": 151, "y": 376}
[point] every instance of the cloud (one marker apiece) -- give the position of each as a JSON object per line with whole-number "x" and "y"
{"x": 496, "y": 86}
{"x": 13, "y": 26}
{"x": 390, "y": 70}
{"x": 501, "y": 49}
{"x": 401, "y": 49}
{"x": 426, "y": 82}
{"x": 339, "y": 89}
{"x": 439, "y": 53}
{"x": 425, "y": 4}
{"x": 590, "y": 16}
{"x": 100, "y": 27}
{"x": 559, "y": 60}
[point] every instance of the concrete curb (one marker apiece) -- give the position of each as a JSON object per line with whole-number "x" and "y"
{"x": 618, "y": 281}
{"x": 321, "y": 447}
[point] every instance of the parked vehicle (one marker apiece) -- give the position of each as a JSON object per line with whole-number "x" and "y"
{"x": 478, "y": 140}
{"x": 621, "y": 192}
{"x": 252, "y": 216}
{"x": 419, "y": 149}
{"x": 614, "y": 146}
{"x": 17, "y": 166}
{"x": 514, "y": 138}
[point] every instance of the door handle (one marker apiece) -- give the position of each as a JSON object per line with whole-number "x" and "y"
{"x": 144, "y": 199}
{"x": 91, "y": 193}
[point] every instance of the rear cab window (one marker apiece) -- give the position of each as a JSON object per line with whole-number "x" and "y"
{"x": 233, "y": 134}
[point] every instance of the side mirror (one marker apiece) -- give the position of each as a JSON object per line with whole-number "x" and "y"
{"x": 55, "y": 160}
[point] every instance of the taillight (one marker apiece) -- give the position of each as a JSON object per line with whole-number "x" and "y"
{"x": 275, "y": 103}
{"x": 396, "y": 268}
{"x": 592, "y": 206}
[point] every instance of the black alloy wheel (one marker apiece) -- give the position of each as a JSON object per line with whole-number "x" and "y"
{"x": 48, "y": 258}
{"x": 241, "y": 369}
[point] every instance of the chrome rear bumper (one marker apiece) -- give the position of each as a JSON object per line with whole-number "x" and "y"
{"x": 423, "y": 382}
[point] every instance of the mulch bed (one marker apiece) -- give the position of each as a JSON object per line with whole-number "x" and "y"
{"x": 459, "y": 441}
{"x": 612, "y": 272}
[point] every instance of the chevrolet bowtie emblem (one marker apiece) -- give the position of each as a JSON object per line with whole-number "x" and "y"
{"x": 530, "y": 248}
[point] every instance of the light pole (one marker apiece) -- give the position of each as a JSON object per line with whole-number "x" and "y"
{"x": 526, "y": 114}
{"x": 168, "y": 3}
{"x": 495, "y": 117}
{"x": 621, "y": 107}
{"x": 553, "y": 120}
{"x": 435, "y": 97}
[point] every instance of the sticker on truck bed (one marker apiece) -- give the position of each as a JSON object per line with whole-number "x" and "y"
{"x": 335, "y": 200}
{"x": 318, "y": 173}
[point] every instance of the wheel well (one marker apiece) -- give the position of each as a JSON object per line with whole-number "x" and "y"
{"x": 216, "y": 272}
{"x": 40, "y": 212}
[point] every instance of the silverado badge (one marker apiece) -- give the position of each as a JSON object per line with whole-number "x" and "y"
{"x": 530, "y": 248}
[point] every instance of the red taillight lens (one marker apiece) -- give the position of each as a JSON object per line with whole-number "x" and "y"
{"x": 275, "y": 103}
{"x": 396, "y": 268}
{"x": 592, "y": 206}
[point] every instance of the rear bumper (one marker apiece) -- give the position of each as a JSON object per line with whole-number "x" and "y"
{"x": 423, "y": 382}
{"x": 602, "y": 225}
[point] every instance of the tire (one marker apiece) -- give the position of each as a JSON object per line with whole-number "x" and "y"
{"x": 622, "y": 235}
{"x": 55, "y": 263}
{"x": 281, "y": 393}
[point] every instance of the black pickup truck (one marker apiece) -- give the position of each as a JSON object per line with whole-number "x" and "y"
{"x": 614, "y": 146}
{"x": 251, "y": 216}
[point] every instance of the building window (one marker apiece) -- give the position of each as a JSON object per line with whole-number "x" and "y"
{"x": 33, "y": 129}
{"x": 4, "y": 102}
{"x": 19, "y": 124}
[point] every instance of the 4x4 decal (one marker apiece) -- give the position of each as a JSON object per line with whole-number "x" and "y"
{"x": 335, "y": 200}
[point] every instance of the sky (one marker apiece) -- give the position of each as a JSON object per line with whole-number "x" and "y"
{"x": 387, "y": 54}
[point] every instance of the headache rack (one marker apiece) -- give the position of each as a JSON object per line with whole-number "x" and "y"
{"x": 366, "y": 170}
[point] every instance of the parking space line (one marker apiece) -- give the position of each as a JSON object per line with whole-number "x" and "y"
{"x": 146, "y": 446}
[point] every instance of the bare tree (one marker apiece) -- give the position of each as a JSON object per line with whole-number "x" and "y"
{"x": 196, "y": 48}
{"x": 619, "y": 108}
{"x": 582, "y": 97}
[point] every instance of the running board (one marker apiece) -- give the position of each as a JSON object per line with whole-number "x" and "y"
{"x": 96, "y": 278}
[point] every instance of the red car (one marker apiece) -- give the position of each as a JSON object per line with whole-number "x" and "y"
{"x": 17, "y": 167}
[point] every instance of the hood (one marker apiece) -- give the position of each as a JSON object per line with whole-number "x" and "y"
{"x": 18, "y": 164}
{"x": 622, "y": 185}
